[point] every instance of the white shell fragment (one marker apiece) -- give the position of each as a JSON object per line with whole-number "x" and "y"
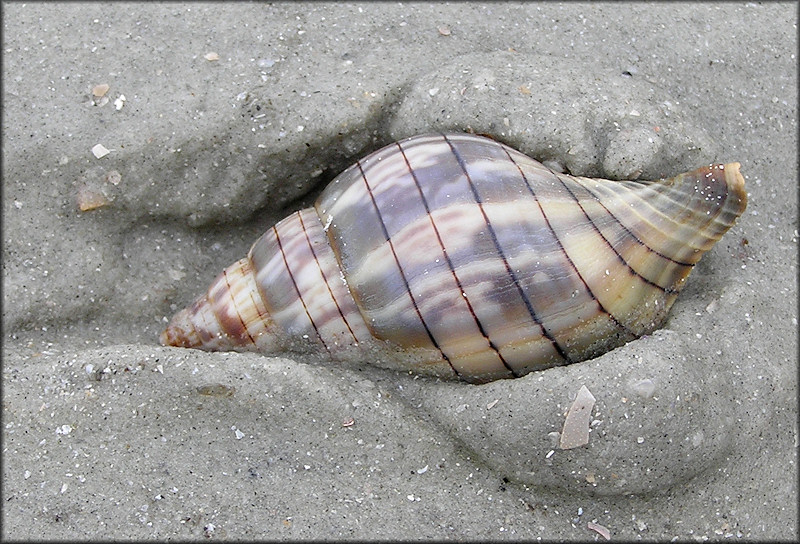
{"x": 100, "y": 151}
{"x": 576, "y": 427}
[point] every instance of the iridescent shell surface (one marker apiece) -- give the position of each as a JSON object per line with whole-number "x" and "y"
{"x": 455, "y": 255}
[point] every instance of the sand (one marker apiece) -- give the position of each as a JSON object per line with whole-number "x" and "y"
{"x": 220, "y": 119}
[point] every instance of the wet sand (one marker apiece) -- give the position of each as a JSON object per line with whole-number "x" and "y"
{"x": 220, "y": 119}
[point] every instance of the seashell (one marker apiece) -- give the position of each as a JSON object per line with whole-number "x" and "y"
{"x": 455, "y": 255}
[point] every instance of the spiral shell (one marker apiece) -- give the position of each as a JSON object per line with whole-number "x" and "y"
{"x": 455, "y": 255}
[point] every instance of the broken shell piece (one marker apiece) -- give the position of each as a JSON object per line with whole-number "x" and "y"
{"x": 100, "y": 151}
{"x": 216, "y": 390}
{"x": 100, "y": 90}
{"x": 576, "y": 427}
{"x": 89, "y": 199}
{"x": 95, "y": 190}
{"x": 113, "y": 177}
{"x": 602, "y": 531}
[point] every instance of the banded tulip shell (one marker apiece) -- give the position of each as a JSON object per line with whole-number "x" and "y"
{"x": 455, "y": 255}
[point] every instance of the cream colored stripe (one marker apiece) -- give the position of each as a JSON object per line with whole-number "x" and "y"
{"x": 641, "y": 214}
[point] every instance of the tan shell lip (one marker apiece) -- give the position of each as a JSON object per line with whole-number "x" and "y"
{"x": 735, "y": 181}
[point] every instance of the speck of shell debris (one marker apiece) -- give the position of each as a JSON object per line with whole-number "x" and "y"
{"x": 216, "y": 390}
{"x": 88, "y": 199}
{"x": 602, "y": 531}
{"x": 113, "y": 177}
{"x": 644, "y": 388}
{"x": 100, "y": 151}
{"x": 100, "y": 90}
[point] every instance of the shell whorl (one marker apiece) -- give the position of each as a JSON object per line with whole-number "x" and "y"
{"x": 453, "y": 254}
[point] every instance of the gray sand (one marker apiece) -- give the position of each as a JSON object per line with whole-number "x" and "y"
{"x": 108, "y": 435}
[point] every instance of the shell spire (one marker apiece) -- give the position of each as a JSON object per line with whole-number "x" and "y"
{"x": 455, "y": 255}
{"x": 229, "y": 316}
